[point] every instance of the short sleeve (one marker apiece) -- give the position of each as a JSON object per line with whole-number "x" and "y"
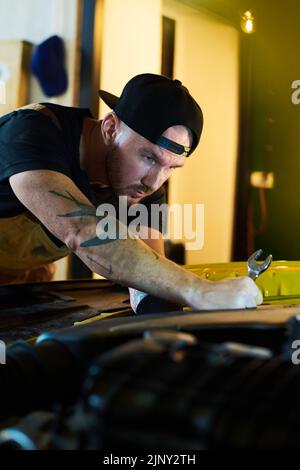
{"x": 29, "y": 140}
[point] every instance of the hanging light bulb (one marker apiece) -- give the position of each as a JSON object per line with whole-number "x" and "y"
{"x": 247, "y": 23}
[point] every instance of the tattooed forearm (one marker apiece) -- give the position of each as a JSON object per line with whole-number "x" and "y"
{"x": 96, "y": 241}
{"x": 85, "y": 210}
{"x": 89, "y": 211}
{"x": 118, "y": 234}
{"x": 109, "y": 270}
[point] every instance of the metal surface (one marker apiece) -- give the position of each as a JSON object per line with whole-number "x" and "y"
{"x": 27, "y": 310}
{"x": 254, "y": 268}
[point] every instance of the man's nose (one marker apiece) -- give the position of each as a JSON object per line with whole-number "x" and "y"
{"x": 154, "y": 178}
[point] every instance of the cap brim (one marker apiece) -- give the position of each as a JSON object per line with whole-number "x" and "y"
{"x": 108, "y": 98}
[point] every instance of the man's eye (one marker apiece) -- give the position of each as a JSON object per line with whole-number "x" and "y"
{"x": 149, "y": 159}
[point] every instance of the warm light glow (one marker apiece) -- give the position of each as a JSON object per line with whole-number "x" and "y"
{"x": 249, "y": 26}
{"x": 247, "y": 23}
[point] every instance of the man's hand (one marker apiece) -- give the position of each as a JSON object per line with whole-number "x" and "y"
{"x": 232, "y": 293}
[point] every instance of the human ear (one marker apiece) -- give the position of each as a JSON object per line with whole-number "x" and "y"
{"x": 109, "y": 128}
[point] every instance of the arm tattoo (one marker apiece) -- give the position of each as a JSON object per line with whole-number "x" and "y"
{"x": 85, "y": 211}
{"x": 97, "y": 241}
{"x": 109, "y": 270}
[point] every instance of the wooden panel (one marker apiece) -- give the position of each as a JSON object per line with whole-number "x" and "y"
{"x": 14, "y": 72}
{"x": 167, "y": 59}
{"x": 168, "y": 45}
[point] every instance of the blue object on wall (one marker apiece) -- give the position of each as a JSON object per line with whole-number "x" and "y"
{"x": 48, "y": 65}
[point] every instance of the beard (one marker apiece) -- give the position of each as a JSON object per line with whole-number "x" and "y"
{"x": 113, "y": 171}
{"x": 115, "y": 177}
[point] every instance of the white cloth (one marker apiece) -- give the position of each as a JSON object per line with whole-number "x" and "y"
{"x": 136, "y": 296}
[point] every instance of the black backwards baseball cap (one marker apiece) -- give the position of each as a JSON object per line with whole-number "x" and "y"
{"x": 150, "y": 104}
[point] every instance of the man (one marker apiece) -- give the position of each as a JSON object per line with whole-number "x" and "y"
{"x": 53, "y": 157}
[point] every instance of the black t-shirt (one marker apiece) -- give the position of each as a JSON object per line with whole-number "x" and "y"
{"x": 30, "y": 140}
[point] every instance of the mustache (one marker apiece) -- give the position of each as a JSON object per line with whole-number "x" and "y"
{"x": 141, "y": 189}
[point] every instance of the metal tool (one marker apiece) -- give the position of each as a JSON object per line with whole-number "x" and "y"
{"x": 254, "y": 268}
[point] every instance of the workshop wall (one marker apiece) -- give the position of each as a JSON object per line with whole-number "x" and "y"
{"x": 35, "y": 21}
{"x": 131, "y": 43}
{"x": 206, "y": 60}
{"x": 272, "y": 142}
{"x": 274, "y": 130}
